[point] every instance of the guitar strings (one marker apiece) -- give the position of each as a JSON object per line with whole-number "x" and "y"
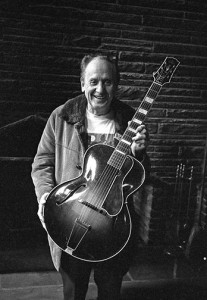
{"x": 99, "y": 191}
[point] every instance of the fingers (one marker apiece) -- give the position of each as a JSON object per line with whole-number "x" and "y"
{"x": 140, "y": 136}
{"x": 40, "y": 214}
{"x": 41, "y": 207}
{"x": 140, "y": 139}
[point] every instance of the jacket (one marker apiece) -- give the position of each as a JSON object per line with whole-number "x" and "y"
{"x": 60, "y": 153}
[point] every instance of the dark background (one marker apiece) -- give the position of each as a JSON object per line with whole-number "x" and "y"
{"x": 42, "y": 42}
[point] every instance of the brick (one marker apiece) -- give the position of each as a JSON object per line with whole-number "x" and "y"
{"x": 165, "y": 37}
{"x": 177, "y": 100}
{"x": 131, "y": 67}
{"x": 130, "y": 93}
{"x": 180, "y": 92}
{"x": 186, "y": 114}
{"x": 182, "y": 130}
{"x": 176, "y": 141}
{"x": 180, "y": 49}
{"x": 131, "y": 44}
{"x": 178, "y": 5}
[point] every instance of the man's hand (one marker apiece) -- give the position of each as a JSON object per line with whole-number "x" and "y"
{"x": 41, "y": 207}
{"x": 139, "y": 140}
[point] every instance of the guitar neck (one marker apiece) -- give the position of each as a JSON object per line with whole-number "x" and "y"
{"x": 163, "y": 75}
{"x": 123, "y": 147}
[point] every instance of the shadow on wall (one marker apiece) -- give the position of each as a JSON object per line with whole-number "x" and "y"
{"x": 19, "y": 224}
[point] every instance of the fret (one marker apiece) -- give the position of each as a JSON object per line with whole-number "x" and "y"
{"x": 154, "y": 90}
{"x": 123, "y": 148}
{"x": 146, "y": 106}
{"x": 140, "y": 116}
{"x": 117, "y": 159}
{"x": 156, "y": 86}
{"x": 152, "y": 94}
{"x": 131, "y": 129}
{"x": 128, "y": 135}
{"x": 134, "y": 125}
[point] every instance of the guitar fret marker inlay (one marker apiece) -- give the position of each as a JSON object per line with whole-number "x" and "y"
{"x": 120, "y": 151}
{"x": 126, "y": 142}
{"x": 143, "y": 111}
{"x": 149, "y": 100}
{"x": 137, "y": 121}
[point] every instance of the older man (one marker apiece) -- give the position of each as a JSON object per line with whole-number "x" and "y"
{"x": 94, "y": 116}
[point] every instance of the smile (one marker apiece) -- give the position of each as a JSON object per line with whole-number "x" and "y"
{"x": 100, "y": 98}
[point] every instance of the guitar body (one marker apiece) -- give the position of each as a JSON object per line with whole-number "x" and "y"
{"x": 88, "y": 216}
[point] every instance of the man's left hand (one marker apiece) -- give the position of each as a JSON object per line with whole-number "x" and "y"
{"x": 139, "y": 140}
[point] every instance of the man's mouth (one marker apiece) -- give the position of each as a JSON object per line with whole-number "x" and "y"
{"x": 101, "y": 98}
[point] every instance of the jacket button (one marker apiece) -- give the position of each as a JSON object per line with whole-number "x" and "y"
{"x": 78, "y": 167}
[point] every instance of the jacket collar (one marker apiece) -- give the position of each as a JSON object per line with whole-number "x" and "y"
{"x": 73, "y": 110}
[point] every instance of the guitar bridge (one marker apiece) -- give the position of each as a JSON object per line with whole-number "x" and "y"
{"x": 101, "y": 211}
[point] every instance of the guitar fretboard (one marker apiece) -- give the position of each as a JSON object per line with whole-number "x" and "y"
{"x": 122, "y": 149}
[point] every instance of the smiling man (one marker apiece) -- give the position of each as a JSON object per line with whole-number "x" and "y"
{"x": 93, "y": 117}
{"x": 99, "y": 83}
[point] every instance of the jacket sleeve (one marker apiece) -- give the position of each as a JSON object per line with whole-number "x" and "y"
{"x": 43, "y": 166}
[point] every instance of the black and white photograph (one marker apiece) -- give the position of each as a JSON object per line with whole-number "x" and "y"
{"x": 103, "y": 149}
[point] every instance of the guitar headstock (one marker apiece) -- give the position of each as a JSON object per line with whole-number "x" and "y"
{"x": 166, "y": 70}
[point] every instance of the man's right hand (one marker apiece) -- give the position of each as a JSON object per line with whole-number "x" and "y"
{"x": 41, "y": 208}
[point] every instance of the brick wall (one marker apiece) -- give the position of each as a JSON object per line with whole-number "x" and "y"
{"x": 42, "y": 43}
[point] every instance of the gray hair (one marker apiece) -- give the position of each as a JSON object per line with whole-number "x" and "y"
{"x": 109, "y": 58}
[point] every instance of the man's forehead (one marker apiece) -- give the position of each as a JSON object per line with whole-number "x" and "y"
{"x": 97, "y": 66}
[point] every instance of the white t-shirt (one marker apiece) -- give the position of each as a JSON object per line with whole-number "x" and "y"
{"x": 100, "y": 129}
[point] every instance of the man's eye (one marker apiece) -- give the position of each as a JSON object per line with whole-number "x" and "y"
{"x": 107, "y": 82}
{"x": 93, "y": 82}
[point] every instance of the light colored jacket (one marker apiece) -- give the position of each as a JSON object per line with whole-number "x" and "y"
{"x": 60, "y": 154}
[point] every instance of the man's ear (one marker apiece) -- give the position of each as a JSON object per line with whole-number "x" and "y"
{"x": 82, "y": 86}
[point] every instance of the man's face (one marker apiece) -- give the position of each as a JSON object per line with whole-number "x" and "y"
{"x": 99, "y": 86}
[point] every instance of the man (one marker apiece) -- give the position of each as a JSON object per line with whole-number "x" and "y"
{"x": 94, "y": 116}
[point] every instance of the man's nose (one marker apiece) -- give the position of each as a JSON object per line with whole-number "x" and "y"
{"x": 100, "y": 87}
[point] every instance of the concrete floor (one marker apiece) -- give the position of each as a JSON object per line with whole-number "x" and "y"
{"x": 28, "y": 274}
{"x": 48, "y": 286}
